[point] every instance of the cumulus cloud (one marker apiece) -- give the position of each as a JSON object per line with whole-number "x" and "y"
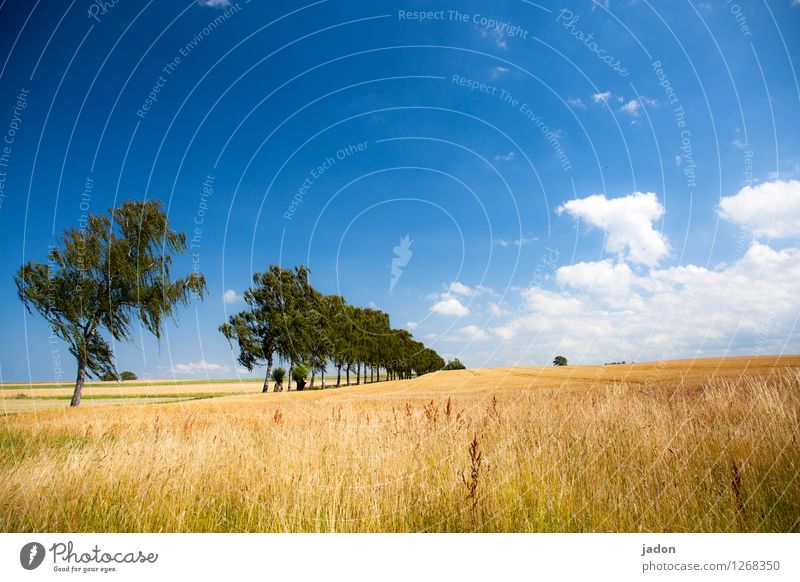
{"x": 412, "y": 324}
{"x": 605, "y": 312}
{"x": 771, "y": 209}
{"x": 215, "y": 3}
{"x": 198, "y": 367}
{"x": 577, "y": 102}
{"x": 231, "y": 296}
{"x": 627, "y": 223}
{"x": 450, "y": 305}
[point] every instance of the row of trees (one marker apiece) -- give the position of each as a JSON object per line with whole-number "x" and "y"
{"x": 287, "y": 319}
{"x": 114, "y": 272}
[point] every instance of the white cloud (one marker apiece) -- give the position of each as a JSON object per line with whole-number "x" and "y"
{"x": 471, "y": 333}
{"x": 739, "y": 144}
{"x": 606, "y": 312}
{"x": 605, "y": 279}
{"x": 601, "y": 97}
{"x": 458, "y": 288}
{"x": 771, "y": 209}
{"x": 449, "y": 305}
{"x": 215, "y": 3}
{"x": 461, "y": 289}
{"x": 627, "y": 223}
{"x": 231, "y": 296}
{"x": 632, "y": 107}
{"x": 577, "y": 102}
{"x": 495, "y": 309}
{"x": 199, "y": 367}
{"x": 517, "y": 242}
{"x": 412, "y": 324}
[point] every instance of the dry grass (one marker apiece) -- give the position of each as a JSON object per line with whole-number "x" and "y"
{"x": 676, "y": 446}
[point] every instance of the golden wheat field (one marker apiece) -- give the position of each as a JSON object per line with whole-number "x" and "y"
{"x": 702, "y": 445}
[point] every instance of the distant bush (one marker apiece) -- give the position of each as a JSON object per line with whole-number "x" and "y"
{"x": 109, "y": 377}
{"x": 126, "y": 375}
{"x": 278, "y": 376}
{"x": 560, "y": 361}
{"x": 455, "y": 364}
{"x": 299, "y": 375}
{"x": 615, "y": 363}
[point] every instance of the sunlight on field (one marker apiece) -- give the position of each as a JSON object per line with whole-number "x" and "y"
{"x": 709, "y": 445}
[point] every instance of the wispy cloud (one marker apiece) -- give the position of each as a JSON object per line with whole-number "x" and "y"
{"x": 509, "y": 157}
{"x": 198, "y": 367}
{"x": 215, "y": 3}
{"x": 517, "y": 242}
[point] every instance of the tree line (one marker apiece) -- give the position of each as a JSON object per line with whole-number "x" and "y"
{"x": 115, "y": 271}
{"x": 286, "y": 318}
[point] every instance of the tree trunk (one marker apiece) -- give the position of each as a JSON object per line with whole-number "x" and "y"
{"x": 322, "y": 378}
{"x": 338, "y": 375}
{"x": 76, "y": 395}
{"x": 348, "y": 374}
{"x": 358, "y": 373}
{"x": 266, "y": 378}
{"x": 291, "y": 369}
{"x": 313, "y": 375}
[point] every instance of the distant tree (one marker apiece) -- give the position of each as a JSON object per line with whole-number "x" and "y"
{"x": 455, "y": 364}
{"x": 559, "y": 361}
{"x": 278, "y": 376}
{"x": 126, "y": 375}
{"x": 109, "y": 377}
{"x": 104, "y": 276}
{"x": 299, "y": 375}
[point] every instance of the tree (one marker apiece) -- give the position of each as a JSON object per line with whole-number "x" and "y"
{"x": 278, "y": 375}
{"x": 259, "y": 329}
{"x": 126, "y": 375}
{"x": 106, "y": 275}
{"x": 455, "y": 364}
{"x": 299, "y": 375}
{"x": 109, "y": 377}
{"x": 560, "y": 361}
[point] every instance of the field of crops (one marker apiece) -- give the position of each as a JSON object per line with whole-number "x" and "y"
{"x": 703, "y": 445}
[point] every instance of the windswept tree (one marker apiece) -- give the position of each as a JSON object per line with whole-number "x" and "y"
{"x": 104, "y": 277}
{"x": 259, "y": 329}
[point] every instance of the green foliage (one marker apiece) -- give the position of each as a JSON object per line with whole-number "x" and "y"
{"x": 126, "y": 375}
{"x": 104, "y": 277}
{"x": 560, "y": 361}
{"x": 286, "y": 317}
{"x": 455, "y": 364}
{"x": 300, "y": 374}
{"x": 109, "y": 377}
{"x": 279, "y": 375}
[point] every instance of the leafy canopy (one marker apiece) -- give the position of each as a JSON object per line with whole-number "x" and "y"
{"x": 107, "y": 275}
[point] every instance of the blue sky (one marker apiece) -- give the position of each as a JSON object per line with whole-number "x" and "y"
{"x": 607, "y": 181}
